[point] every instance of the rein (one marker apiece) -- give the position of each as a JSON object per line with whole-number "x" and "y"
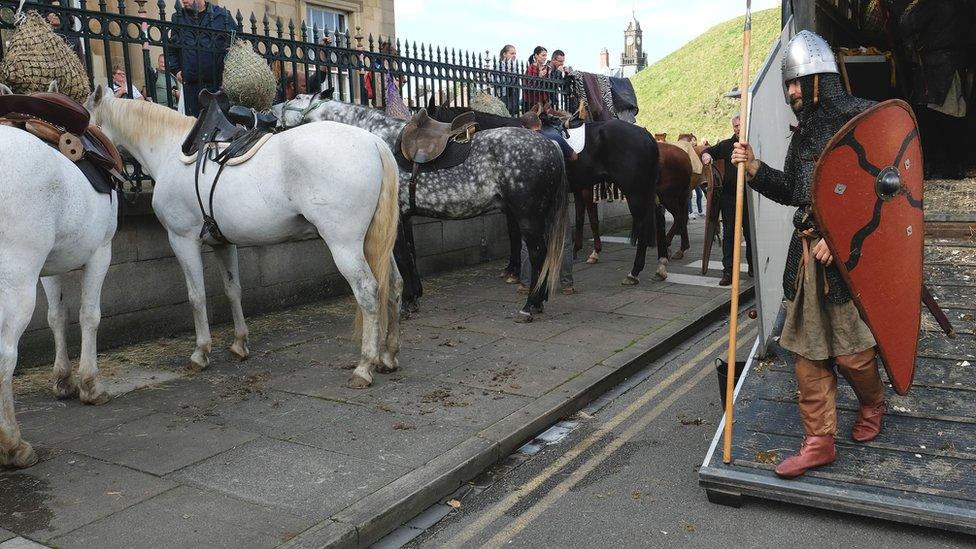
{"x": 312, "y": 105}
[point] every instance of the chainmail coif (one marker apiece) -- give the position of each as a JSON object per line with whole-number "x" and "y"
{"x": 818, "y": 121}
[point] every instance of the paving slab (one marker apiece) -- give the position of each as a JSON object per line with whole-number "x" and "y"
{"x": 50, "y": 422}
{"x": 69, "y": 491}
{"x": 21, "y": 543}
{"x": 5, "y": 535}
{"x": 278, "y": 450}
{"x": 160, "y": 443}
{"x": 187, "y": 517}
{"x": 309, "y": 482}
{"x": 386, "y": 437}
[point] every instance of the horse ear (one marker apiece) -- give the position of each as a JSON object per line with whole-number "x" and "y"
{"x": 329, "y": 93}
{"x": 430, "y": 103}
{"x": 422, "y": 115}
{"x": 4, "y": 90}
{"x": 53, "y": 87}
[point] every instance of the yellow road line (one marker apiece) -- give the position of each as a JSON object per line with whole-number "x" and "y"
{"x": 500, "y": 508}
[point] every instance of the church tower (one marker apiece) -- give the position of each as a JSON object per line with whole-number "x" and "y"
{"x": 633, "y": 58}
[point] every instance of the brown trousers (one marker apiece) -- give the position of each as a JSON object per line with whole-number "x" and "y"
{"x": 817, "y": 382}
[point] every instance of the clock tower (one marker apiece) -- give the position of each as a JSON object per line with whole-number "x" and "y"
{"x": 633, "y": 59}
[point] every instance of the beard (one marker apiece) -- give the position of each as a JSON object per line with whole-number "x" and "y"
{"x": 796, "y": 103}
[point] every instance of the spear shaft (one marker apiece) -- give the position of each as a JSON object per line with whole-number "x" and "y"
{"x": 737, "y": 240}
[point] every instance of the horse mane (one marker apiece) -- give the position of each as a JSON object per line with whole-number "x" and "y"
{"x": 152, "y": 119}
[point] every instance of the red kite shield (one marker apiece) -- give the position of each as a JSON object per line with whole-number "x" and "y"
{"x": 867, "y": 198}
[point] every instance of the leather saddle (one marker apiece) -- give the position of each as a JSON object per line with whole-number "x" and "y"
{"x": 220, "y": 123}
{"x": 424, "y": 139}
{"x": 226, "y": 135}
{"x": 65, "y": 125}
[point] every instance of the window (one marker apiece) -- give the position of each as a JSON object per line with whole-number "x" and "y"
{"x": 324, "y": 19}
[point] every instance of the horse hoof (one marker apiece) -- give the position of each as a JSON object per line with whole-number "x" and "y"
{"x": 96, "y": 398}
{"x": 594, "y": 258}
{"x": 680, "y": 254}
{"x": 511, "y": 279}
{"x": 413, "y": 307}
{"x": 388, "y": 368}
{"x": 22, "y": 457}
{"x": 523, "y": 317}
{"x": 198, "y": 362}
{"x": 630, "y": 280}
{"x": 93, "y": 394}
{"x": 65, "y": 388}
{"x": 537, "y": 309}
{"x": 240, "y": 351}
{"x": 359, "y": 382}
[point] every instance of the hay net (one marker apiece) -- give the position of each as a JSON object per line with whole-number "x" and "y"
{"x": 37, "y": 55}
{"x": 248, "y": 79}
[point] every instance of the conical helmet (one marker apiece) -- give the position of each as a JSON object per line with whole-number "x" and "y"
{"x": 806, "y": 54}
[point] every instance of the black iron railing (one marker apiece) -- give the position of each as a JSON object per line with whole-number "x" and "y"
{"x": 304, "y": 58}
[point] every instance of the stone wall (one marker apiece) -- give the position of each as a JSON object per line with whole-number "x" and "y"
{"x": 145, "y": 292}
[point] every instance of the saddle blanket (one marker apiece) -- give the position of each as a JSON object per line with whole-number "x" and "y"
{"x": 696, "y": 163}
{"x": 251, "y": 151}
{"x": 577, "y": 138}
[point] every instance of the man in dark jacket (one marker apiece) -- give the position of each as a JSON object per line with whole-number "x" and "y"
{"x": 823, "y": 327}
{"x": 935, "y": 32}
{"x": 723, "y": 151}
{"x": 196, "y": 57}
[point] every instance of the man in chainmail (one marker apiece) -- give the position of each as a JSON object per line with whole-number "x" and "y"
{"x": 823, "y": 327}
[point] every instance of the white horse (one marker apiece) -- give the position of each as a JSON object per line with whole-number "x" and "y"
{"x": 53, "y": 222}
{"x": 330, "y": 180}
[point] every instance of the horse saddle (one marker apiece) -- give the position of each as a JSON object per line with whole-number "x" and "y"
{"x": 232, "y": 131}
{"x": 65, "y": 125}
{"x": 576, "y": 137}
{"x": 424, "y": 139}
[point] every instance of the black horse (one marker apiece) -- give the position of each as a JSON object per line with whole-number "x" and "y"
{"x": 616, "y": 151}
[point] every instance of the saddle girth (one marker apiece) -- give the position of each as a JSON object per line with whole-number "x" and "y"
{"x": 219, "y": 125}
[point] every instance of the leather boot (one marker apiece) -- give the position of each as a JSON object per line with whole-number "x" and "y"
{"x": 818, "y": 396}
{"x": 814, "y": 452}
{"x": 861, "y": 372}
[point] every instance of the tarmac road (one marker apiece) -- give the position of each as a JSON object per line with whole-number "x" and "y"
{"x": 627, "y": 476}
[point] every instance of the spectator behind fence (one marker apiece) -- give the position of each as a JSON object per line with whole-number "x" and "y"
{"x": 64, "y": 28}
{"x": 120, "y": 85}
{"x": 295, "y": 84}
{"x": 508, "y": 93}
{"x": 558, "y": 71}
{"x": 196, "y": 57}
{"x": 158, "y": 88}
{"x": 538, "y": 67}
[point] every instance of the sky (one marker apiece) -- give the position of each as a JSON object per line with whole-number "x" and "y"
{"x": 581, "y": 28}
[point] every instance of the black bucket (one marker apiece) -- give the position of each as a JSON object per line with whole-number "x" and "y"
{"x": 722, "y": 369}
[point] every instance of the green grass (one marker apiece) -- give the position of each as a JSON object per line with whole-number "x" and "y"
{"x": 683, "y": 92}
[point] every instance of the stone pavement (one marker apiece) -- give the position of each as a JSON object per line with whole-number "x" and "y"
{"x": 277, "y": 450}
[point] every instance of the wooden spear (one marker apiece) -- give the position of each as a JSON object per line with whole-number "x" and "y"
{"x": 740, "y": 186}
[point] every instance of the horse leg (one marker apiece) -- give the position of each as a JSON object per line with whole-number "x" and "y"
{"x": 594, "y": 214}
{"x": 406, "y": 260}
{"x": 388, "y": 360}
{"x": 536, "y": 247}
{"x": 230, "y": 272}
{"x": 16, "y": 306}
{"x": 89, "y": 318}
{"x": 662, "y": 246}
{"x": 513, "y": 269}
{"x": 580, "y": 206}
{"x": 351, "y": 262}
{"x": 65, "y": 386}
{"x": 187, "y": 252}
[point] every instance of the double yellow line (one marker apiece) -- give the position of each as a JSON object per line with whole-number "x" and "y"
{"x": 523, "y": 520}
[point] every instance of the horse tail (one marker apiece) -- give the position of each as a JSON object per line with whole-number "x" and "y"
{"x": 556, "y": 221}
{"x": 381, "y": 236}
